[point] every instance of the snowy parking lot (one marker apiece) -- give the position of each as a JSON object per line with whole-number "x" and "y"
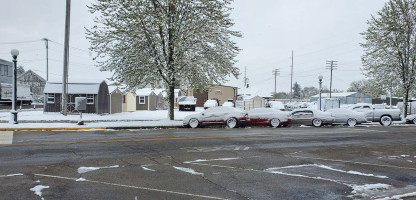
{"x": 212, "y": 163}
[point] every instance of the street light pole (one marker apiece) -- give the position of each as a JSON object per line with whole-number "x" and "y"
{"x": 320, "y": 91}
{"x": 13, "y": 119}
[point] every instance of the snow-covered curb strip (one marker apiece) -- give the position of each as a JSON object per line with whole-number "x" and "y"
{"x": 89, "y": 126}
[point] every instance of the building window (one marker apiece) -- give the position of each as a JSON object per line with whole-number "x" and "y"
{"x": 124, "y": 98}
{"x": 142, "y": 100}
{"x": 51, "y": 98}
{"x": 218, "y": 92}
{"x": 90, "y": 99}
{"x": 4, "y": 70}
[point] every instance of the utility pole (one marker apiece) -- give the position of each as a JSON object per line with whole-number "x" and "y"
{"x": 66, "y": 58}
{"x": 332, "y": 66}
{"x": 291, "y": 80}
{"x": 47, "y": 59}
{"x": 246, "y": 85}
{"x": 276, "y": 73}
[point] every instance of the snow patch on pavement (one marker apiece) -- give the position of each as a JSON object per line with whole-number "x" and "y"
{"x": 367, "y": 189}
{"x": 188, "y": 170}
{"x": 217, "y": 159}
{"x": 147, "y": 169}
{"x": 82, "y": 170}
{"x": 399, "y": 197}
{"x": 10, "y": 175}
{"x": 38, "y": 190}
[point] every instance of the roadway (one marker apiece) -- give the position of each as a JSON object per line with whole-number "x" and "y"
{"x": 210, "y": 163}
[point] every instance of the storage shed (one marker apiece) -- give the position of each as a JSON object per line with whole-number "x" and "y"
{"x": 98, "y": 98}
{"x": 116, "y": 99}
{"x": 346, "y": 97}
{"x": 146, "y": 99}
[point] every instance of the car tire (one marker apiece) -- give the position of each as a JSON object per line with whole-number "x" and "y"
{"x": 386, "y": 120}
{"x": 193, "y": 123}
{"x": 351, "y": 122}
{"x": 414, "y": 120}
{"x": 232, "y": 122}
{"x": 275, "y": 122}
{"x": 317, "y": 122}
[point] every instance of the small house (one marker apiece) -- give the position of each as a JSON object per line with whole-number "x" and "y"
{"x": 129, "y": 101}
{"x": 36, "y": 83}
{"x": 98, "y": 98}
{"x": 222, "y": 93}
{"x": 116, "y": 99}
{"x": 146, "y": 99}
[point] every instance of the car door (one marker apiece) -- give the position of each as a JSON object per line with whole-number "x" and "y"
{"x": 302, "y": 117}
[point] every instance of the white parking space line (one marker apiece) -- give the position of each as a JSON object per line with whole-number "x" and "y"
{"x": 131, "y": 186}
{"x": 6, "y": 137}
{"x": 353, "y": 162}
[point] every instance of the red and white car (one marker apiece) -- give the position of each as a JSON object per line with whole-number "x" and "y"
{"x": 232, "y": 117}
{"x": 269, "y": 117}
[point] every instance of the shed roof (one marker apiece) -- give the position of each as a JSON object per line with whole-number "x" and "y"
{"x": 73, "y": 88}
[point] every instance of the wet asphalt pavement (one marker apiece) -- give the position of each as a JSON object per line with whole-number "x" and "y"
{"x": 211, "y": 163}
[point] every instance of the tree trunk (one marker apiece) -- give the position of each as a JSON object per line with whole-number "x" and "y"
{"x": 405, "y": 100}
{"x": 171, "y": 97}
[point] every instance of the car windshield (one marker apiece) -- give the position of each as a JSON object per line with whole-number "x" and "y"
{"x": 182, "y": 99}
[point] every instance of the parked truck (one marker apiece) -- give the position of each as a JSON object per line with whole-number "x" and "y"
{"x": 187, "y": 103}
{"x": 24, "y": 96}
{"x": 384, "y": 116}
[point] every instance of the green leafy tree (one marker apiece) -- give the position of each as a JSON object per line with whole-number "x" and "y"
{"x": 390, "y": 46}
{"x": 152, "y": 41}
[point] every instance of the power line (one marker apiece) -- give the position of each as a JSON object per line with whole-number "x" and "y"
{"x": 19, "y": 42}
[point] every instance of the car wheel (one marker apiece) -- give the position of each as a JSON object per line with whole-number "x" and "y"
{"x": 275, "y": 122}
{"x": 414, "y": 120}
{"x": 232, "y": 123}
{"x": 193, "y": 123}
{"x": 386, "y": 120}
{"x": 351, "y": 122}
{"x": 317, "y": 122}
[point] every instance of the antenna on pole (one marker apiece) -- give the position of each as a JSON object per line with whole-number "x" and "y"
{"x": 276, "y": 72}
{"x": 47, "y": 59}
{"x": 291, "y": 80}
{"x": 332, "y": 66}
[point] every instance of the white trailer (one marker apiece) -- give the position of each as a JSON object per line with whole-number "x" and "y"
{"x": 24, "y": 96}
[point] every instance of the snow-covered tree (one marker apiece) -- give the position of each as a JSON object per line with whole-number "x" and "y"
{"x": 20, "y": 70}
{"x": 390, "y": 47}
{"x": 307, "y": 92}
{"x": 368, "y": 87}
{"x": 146, "y": 42}
{"x": 296, "y": 91}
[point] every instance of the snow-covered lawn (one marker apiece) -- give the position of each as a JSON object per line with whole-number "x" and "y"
{"x": 39, "y": 119}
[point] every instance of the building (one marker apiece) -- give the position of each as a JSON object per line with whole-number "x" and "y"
{"x": 346, "y": 97}
{"x": 146, "y": 99}
{"x": 222, "y": 93}
{"x": 129, "y": 101}
{"x": 6, "y": 71}
{"x": 116, "y": 99}
{"x": 36, "y": 83}
{"x": 98, "y": 97}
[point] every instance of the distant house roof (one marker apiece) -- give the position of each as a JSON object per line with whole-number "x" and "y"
{"x": 252, "y": 92}
{"x": 342, "y": 94}
{"x": 33, "y": 73}
{"x": 73, "y": 88}
{"x": 144, "y": 92}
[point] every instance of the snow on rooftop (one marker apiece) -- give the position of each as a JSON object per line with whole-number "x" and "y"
{"x": 342, "y": 94}
{"x": 73, "y": 88}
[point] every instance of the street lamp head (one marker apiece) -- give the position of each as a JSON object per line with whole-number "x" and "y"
{"x": 320, "y": 77}
{"x": 14, "y": 53}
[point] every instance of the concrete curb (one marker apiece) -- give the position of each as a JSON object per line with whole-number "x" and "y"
{"x": 88, "y": 128}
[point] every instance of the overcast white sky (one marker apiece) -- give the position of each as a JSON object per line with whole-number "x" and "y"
{"x": 316, "y": 30}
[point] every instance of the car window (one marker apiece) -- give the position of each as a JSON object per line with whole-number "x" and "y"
{"x": 366, "y": 107}
{"x": 302, "y": 114}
